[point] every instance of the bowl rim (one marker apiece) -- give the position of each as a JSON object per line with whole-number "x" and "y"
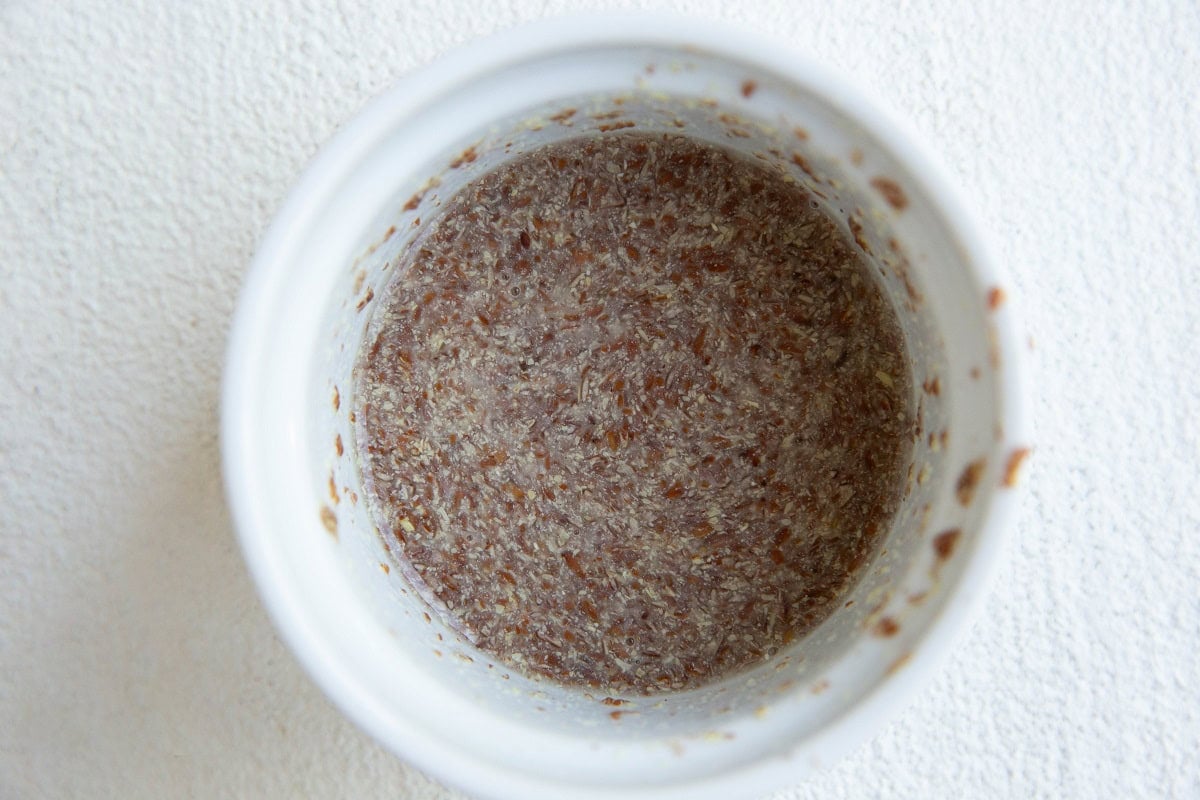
{"x": 543, "y": 39}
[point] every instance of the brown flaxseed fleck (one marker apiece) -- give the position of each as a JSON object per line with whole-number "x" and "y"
{"x": 337, "y": 445}
{"x": 995, "y": 298}
{"x": 945, "y": 542}
{"x": 886, "y": 628}
{"x": 467, "y": 156}
{"x": 968, "y": 481}
{"x": 892, "y": 192}
{"x": 748, "y": 88}
{"x": 859, "y": 234}
{"x": 1012, "y": 468}
{"x": 656, "y": 455}
{"x": 329, "y": 520}
{"x": 573, "y": 564}
{"x": 492, "y": 459}
{"x": 803, "y": 163}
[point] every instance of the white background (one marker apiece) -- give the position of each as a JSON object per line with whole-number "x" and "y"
{"x": 143, "y": 149}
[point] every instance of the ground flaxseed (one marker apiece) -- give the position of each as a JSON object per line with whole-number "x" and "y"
{"x": 633, "y": 413}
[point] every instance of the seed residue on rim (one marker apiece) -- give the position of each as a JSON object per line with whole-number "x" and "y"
{"x": 633, "y": 413}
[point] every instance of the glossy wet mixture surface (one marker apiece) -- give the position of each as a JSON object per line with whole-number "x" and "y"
{"x": 632, "y": 413}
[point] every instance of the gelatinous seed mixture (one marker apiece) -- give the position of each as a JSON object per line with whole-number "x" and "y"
{"x": 632, "y": 413}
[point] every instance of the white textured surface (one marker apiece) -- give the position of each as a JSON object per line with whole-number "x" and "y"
{"x": 143, "y": 148}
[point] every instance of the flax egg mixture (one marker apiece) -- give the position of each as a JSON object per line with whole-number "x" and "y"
{"x": 633, "y": 414}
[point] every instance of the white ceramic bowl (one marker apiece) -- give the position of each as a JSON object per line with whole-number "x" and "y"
{"x": 288, "y": 440}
